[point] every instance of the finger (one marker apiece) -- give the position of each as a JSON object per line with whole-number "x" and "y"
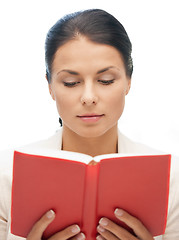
{"x": 79, "y": 236}
{"x": 99, "y": 237}
{"x": 137, "y": 226}
{"x": 115, "y": 229}
{"x": 67, "y": 233}
{"x": 105, "y": 234}
{"x": 40, "y": 226}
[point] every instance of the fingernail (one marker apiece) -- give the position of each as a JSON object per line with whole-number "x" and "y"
{"x": 81, "y": 236}
{"x": 50, "y": 214}
{"x": 118, "y": 212}
{"x": 103, "y": 221}
{"x": 100, "y": 229}
{"x": 99, "y": 237}
{"x": 75, "y": 229}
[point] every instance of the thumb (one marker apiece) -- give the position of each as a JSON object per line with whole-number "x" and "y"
{"x": 40, "y": 226}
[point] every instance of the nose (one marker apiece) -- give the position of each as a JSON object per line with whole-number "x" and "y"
{"x": 89, "y": 96}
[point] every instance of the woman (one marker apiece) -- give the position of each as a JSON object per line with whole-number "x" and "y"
{"x": 89, "y": 69}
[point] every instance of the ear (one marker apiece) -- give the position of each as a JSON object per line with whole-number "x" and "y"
{"x": 51, "y": 91}
{"x": 128, "y": 86}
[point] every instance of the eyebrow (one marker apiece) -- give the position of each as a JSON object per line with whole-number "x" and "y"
{"x": 98, "y": 72}
{"x": 106, "y": 69}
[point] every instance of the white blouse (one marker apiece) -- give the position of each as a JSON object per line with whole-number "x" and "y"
{"x": 125, "y": 146}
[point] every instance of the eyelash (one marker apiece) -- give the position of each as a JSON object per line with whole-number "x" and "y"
{"x": 103, "y": 82}
{"x": 106, "y": 82}
{"x": 70, "y": 84}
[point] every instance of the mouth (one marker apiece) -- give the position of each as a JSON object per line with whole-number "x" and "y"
{"x": 90, "y": 117}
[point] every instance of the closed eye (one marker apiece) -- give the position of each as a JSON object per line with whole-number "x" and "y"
{"x": 70, "y": 84}
{"x": 106, "y": 82}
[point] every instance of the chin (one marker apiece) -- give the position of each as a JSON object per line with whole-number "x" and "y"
{"x": 92, "y": 132}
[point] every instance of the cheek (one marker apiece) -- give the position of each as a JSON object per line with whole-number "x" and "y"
{"x": 65, "y": 103}
{"x": 117, "y": 102}
{"x": 118, "y": 94}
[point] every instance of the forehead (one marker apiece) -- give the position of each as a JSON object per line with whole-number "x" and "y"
{"x": 83, "y": 54}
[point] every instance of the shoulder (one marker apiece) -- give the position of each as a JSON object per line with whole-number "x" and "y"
{"x": 52, "y": 142}
{"x": 128, "y": 146}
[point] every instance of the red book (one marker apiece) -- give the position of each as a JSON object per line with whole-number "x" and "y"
{"x": 81, "y": 194}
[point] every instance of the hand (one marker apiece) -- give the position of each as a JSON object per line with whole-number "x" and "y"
{"x": 110, "y": 230}
{"x": 72, "y": 232}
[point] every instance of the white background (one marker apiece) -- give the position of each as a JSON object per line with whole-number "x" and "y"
{"x": 27, "y": 112}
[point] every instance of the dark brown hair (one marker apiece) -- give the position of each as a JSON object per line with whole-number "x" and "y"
{"x": 95, "y": 24}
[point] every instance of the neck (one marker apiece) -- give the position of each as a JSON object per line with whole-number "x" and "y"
{"x": 105, "y": 144}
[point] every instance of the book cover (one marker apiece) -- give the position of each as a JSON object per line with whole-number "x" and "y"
{"x": 80, "y": 193}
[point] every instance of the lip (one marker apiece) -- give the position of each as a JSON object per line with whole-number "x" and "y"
{"x": 90, "y": 118}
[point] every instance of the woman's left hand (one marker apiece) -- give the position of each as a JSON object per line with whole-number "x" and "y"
{"x": 110, "y": 230}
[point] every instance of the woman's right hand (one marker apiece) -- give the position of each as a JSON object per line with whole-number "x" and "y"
{"x": 72, "y": 232}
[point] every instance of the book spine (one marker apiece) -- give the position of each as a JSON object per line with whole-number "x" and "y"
{"x": 89, "y": 219}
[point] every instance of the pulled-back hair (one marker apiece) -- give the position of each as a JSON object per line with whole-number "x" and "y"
{"x": 96, "y": 25}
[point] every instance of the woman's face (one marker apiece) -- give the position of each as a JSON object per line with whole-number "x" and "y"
{"x": 89, "y": 85}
